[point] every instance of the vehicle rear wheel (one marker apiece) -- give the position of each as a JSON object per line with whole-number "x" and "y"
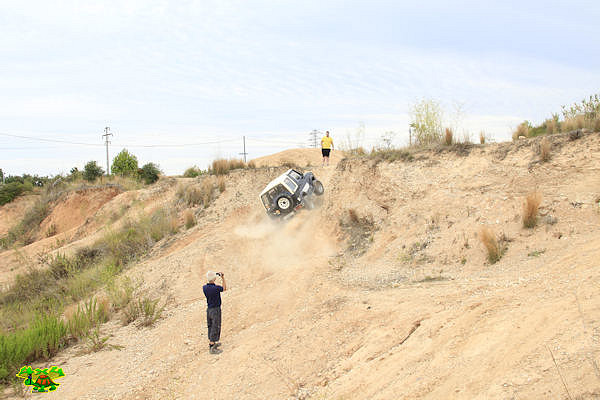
{"x": 284, "y": 204}
{"x": 319, "y": 189}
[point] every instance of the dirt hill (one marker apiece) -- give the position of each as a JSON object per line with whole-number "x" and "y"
{"x": 300, "y": 157}
{"x": 384, "y": 292}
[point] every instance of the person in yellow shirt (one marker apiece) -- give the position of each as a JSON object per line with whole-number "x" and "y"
{"x": 326, "y": 147}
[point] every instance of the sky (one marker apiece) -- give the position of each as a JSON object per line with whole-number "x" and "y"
{"x": 181, "y": 82}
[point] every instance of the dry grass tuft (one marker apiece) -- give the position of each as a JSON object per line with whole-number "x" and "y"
{"x": 482, "y": 137}
{"x": 530, "y": 209}
{"x": 545, "y": 147}
{"x": 551, "y": 126}
{"x": 252, "y": 164}
{"x": 192, "y": 195}
{"x": 221, "y": 183}
{"x": 522, "y": 130}
{"x": 491, "y": 244}
{"x": 223, "y": 166}
{"x": 206, "y": 192}
{"x": 571, "y": 124}
{"x": 448, "y": 138}
{"x": 189, "y": 219}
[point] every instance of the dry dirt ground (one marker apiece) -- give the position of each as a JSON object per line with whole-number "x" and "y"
{"x": 384, "y": 292}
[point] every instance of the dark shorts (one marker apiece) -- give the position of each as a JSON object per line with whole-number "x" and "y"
{"x": 325, "y": 152}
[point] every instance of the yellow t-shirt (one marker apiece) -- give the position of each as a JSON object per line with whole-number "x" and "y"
{"x": 326, "y": 142}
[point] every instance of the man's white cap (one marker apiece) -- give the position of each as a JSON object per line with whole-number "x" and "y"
{"x": 211, "y": 276}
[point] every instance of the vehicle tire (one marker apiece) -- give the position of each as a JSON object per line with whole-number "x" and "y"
{"x": 318, "y": 188}
{"x": 285, "y": 204}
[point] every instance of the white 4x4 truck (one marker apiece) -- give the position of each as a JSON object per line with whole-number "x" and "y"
{"x": 290, "y": 192}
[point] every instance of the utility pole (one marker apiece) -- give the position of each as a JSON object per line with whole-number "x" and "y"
{"x": 314, "y": 135}
{"x": 244, "y": 153}
{"x": 105, "y": 136}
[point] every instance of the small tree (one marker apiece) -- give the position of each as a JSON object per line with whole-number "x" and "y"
{"x": 426, "y": 121}
{"x": 149, "y": 173}
{"x": 92, "y": 171}
{"x": 124, "y": 163}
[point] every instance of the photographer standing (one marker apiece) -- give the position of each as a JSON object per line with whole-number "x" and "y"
{"x": 213, "y": 309}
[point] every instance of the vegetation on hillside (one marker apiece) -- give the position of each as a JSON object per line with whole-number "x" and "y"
{"x": 579, "y": 115}
{"x": 124, "y": 164}
{"x": 30, "y": 310}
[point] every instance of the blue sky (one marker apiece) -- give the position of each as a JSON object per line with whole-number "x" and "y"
{"x": 189, "y": 72}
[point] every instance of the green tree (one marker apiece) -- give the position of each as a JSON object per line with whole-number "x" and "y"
{"x": 92, "y": 171}
{"x": 426, "y": 121}
{"x": 149, "y": 173}
{"x": 125, "y": 163}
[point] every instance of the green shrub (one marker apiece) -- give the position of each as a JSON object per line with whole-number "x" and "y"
{"x": 426, "y": 122}
{"x": 10, "y": 191}
{"x": 192, "y": 172}
{"x": 120, "y": 293}
{"x": 87, "y": 316}
{"x": 124, "y": 164}
{"x": 146, "y": 310}
{"x": 92, "y": 171}
{"x": 150, "y": 311}
{"x": 149, "y": 173}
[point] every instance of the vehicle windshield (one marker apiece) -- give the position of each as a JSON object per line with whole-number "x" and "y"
{"x": 291, "y": 185}
{"x": 295, "y": 175}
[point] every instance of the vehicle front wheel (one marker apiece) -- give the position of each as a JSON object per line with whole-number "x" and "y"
{"x": 284, "y": 204}
{"x": 319, "y": 189}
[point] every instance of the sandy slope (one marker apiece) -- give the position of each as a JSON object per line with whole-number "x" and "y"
{"x": 301, "y": 157}
{"x": 419, "y": 314}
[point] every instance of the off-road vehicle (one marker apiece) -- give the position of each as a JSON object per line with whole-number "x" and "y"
{"x": 290, "y": 192}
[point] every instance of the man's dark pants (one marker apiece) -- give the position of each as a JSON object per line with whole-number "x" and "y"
{"x": 213, "y": 320}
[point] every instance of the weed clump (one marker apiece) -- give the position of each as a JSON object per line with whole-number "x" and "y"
{"x": 221, "y": 183}
{"x": 88, "y": 315}
{"x": 530, "y": 209}
{"x": 494, "y": 247}
{"x": 189, "y": 219}
{"x": 448, "y": 137}
{"x": 203, "y": 195}
{"x": 146, "y": 310}
{"x": 545, "y": 147}
{"x": 223, "y": 166}
{"x": 391, "y": 155}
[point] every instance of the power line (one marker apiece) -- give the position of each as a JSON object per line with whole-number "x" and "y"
{"x": 118, "y": 144}
{"x": 49, "y": 140}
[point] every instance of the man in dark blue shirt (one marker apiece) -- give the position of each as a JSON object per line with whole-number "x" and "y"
{"x": 213, "y": 309}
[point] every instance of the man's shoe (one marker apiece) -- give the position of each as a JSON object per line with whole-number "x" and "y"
{"x": 215, "y": 350}
{"x": 217, "y": 344}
